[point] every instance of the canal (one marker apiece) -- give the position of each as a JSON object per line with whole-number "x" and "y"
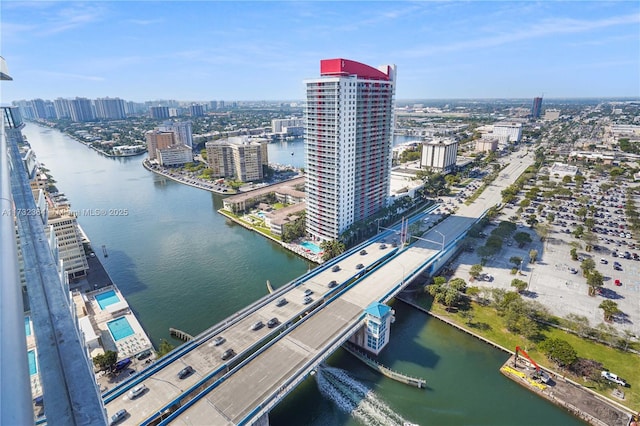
{"x": 181, "y": 264}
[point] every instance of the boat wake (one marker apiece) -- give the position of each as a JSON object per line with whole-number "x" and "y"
{"x": 355, "y": 398}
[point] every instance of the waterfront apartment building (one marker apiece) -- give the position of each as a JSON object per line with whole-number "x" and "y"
{"x": 439, "y": 155}
{"x": 239, "y": 157}
{"x": 281, "y": 125}
{"x": 349, "y": 119}
{"x": 70, "y": 249}
{"x": 110, "y": 108}
{"x": 157, "y": 139}
{"x": 174, "y": 155}
{"x": 62, "y": 108}
{"x": 81, "y": 110}
{"x": 159, "y": 112}
{"x": 183, "y": 131}
{"x": 536, "y": 108}
{"x": 507, "y": 132}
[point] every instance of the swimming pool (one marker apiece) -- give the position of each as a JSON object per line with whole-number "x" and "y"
{"x": 120, "y": 328}
{"x": 27, "y": 326}
{"x": 309, "y": 245}
{"x": 107, "y": 298}
{"x": 33, "y": 366}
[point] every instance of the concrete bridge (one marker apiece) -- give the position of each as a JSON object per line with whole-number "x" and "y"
{"x": 268, "y": 362}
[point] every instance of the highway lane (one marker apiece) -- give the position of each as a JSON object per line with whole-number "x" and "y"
{"x": 164, "y": 386}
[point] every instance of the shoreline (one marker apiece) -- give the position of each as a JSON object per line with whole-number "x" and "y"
{"x": 551, "y": 397}
{"x": 208, "y": 188}
{"x": 87, "y": 144}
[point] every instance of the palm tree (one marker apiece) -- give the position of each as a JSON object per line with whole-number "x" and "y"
{"x": 610, "y": 309}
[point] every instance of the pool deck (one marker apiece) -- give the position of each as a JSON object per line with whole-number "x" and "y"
{"x": 130, "y": 345}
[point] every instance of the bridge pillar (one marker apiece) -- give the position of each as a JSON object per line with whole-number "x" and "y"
{"x": 262, "y": 421}
{"x": 374, "y": 336}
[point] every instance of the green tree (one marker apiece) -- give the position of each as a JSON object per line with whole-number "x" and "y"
{"x": 567, "y": 179}
{"x": 595, "y": 280}
{"x": 164, "y": 348}
{"x": 331, "y": 248}
{"x": 458, "y": 284}
{"x": 516, "y": 260}
{"x": 106, "y": 360}
{"x": 519, "y": 285}
{"x": 533, "y": 255}
{"x": 522, "y": 238}
{"x": 475, "y": 270}
{"x": 610, "y": 309}
{"x": 574, "y": 253}
{"x": 551, "y": 217}
{"x": 587, "y": 266}
{"x": 559, "y": 351}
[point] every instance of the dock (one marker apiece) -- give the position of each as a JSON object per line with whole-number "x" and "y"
{"x": 185, "y": 337}
{"x": 375, "y": 365}
{"x": 269, "y": 287}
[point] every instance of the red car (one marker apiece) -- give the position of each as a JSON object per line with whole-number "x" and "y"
{"x": 617, "y": 282}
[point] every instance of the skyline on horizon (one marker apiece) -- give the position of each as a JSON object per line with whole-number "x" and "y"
{"x": 443, "y": 50}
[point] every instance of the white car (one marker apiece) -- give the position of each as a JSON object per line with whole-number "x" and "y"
{"x": 137, "y": 391}
{"x": 612, "y": 377}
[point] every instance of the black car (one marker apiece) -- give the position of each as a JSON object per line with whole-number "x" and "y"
{"x": 273, "y": 322}
{"x": 332, "y": 284}
{"x": 336, "y": 268}
{"x": 359, "y": 266}
{"x": 186, "y": 372}
{"x": 229, "y": 353}
{"x": 143, "y": 354}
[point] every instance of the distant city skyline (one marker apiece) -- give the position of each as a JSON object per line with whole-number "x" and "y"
{"x": 236, "y": 51}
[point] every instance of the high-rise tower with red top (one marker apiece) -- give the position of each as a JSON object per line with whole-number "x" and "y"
{"x": 348, "y": 144}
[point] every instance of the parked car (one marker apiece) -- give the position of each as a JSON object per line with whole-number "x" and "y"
{"x": 229, "y": 353}
{"x": 573, "y": 270}
{"x": 332, "y": 284}
{"x": 612, "y": 377}
{"x": 281, "y": 302}
{"x": 359, "y": 266}
{"x": 335, "y": 268}
{"x": 186, "y": 372}
{"x": 308, "y": 292}
{"x": 618, "y": 283}
{"x": 307, "y": 300}
{"x": 604, "y": 261}
{"x": 137, "y": 391}
{"x": 257, "y": 325}
{"x": 273, "y": 322}
{"x": 143, "y": 355}
{"x": 219, "y": 340}
{"x": 117, "y": 417}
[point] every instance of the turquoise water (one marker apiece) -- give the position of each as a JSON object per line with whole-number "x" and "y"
{"x": 107, "y": 298}
{"x": 27, "y": 326}
{"x": 33, "y": 366}
{"x": 313, "y": 247}
{"x": 120, "y": 328}
{"x": 262, "y": 215}
{"x": 218, "y": 268}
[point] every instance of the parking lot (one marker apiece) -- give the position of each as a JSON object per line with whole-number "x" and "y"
{"x": 555, "y": 279}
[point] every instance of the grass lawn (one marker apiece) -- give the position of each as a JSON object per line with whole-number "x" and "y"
{"x": 485, "y": 322}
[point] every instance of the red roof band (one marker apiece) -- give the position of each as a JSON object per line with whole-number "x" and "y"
{"x": 344, "y": 67}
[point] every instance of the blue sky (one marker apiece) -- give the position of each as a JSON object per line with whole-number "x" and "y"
{"x": 241, "y": 50}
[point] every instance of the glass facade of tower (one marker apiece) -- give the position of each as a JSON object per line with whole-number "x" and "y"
{"x": 348, "y": 142}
